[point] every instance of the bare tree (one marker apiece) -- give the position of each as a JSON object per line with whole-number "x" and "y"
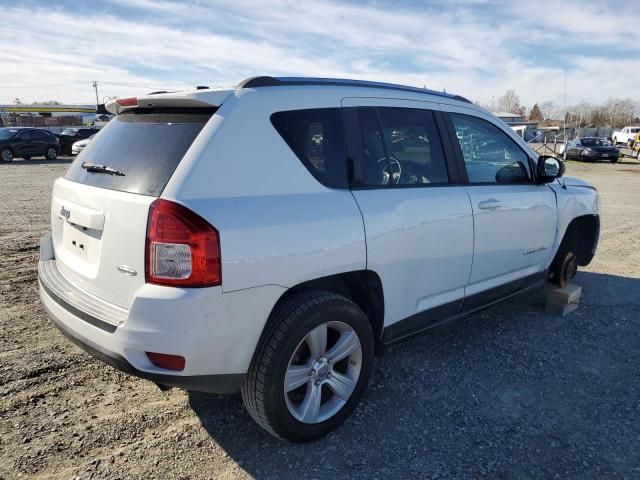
{"x": 510, "y": 102}
{"x": 549, "y": 110}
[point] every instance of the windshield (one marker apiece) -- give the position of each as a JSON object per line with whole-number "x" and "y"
{"x": 146, "y": 145}
{"x": 7, "y": 133}
{"x": 69, "y": 131}
{"x": 595, "y": 142}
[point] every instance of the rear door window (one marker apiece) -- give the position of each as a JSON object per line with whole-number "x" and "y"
{"x": 317, "y": 139}
{"x": 145, "y": 145}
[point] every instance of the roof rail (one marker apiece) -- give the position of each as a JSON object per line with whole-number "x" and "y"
{"x": 266, "y": 81}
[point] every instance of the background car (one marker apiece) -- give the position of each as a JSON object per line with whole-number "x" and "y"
{"x": 626, "y": 135}
{"x": 77, "y": 147}
{"x": 26, "y": 143}
{"x": 69, "y": 136}
{"x": 591, "y": 149}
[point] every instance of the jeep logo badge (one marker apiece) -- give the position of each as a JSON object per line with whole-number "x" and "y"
{"x": 65, "y": 213}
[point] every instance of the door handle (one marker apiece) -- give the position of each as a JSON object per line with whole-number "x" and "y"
{"x": 490, "y": 204}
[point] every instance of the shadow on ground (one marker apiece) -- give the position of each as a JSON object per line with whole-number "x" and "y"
{"x": 509, "y": 392}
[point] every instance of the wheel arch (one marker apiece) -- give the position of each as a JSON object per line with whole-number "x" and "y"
{"x": 363, "y": 287}
{"x": 581, "y": 235}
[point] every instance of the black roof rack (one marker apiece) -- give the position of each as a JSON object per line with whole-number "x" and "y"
{"x": 266, "y": 81}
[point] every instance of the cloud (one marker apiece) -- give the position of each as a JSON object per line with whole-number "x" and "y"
{"x": 475, "y": 48}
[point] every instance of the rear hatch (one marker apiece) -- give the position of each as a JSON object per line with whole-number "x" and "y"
{"x": 99, "y": 209}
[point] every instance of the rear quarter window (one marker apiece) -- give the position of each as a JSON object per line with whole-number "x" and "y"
{"x": 146, "y": 145}
{"x": 317, "y": 139}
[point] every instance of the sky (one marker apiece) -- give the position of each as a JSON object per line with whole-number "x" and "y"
{"x": 54, "y": 49}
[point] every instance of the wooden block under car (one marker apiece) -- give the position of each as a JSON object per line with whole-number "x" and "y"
{"x": 563, "y": 296}
{"x": 563, "y": 301}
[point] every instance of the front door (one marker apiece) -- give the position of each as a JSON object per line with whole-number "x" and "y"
{"x": 419, "y": 227}
{"x": 514, "y": 218}
{"x": 23, "y": 146}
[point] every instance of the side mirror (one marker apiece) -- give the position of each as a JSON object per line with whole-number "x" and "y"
{"x": 549, "y": 168}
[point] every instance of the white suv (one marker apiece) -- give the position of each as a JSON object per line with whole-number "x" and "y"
{"x": 275, "y": 236}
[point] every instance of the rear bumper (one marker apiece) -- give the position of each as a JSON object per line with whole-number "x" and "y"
{"x": 225, "y": 383}
{"x": 215, "y": 332}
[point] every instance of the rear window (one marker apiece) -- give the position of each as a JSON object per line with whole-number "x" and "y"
{"x": 145, "y": 145}
{"x": 317, "y": 139}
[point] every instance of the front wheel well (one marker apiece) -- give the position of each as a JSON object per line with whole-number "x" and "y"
{"x": 362, "y": 287}
{"x": 581, "y": 237}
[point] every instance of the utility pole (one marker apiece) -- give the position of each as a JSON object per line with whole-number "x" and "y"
{"x": 565, "y": 106}
{"x": 95, "y": 85}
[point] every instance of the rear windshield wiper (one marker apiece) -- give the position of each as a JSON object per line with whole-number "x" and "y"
{"x": 92, "y": 167}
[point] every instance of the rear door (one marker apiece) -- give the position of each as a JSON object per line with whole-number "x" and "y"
{"x": 99, "y": 220}
{"x": 40, "y": 141}
{"x": 418, "y": 222}
{"x": 514, "y": 218}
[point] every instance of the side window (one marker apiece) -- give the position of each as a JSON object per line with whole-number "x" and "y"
{"x": 401, "y": 146}
{"x": 489, "y": 154}
{"x": 24, "y": 136}
{"x": 317, "y": 139}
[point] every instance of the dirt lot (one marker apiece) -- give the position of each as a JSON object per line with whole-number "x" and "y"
{"x": 509, "y": 393}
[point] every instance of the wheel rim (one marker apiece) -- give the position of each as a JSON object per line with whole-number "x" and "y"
{"x": 323, "y": 372}
{"x": 7, "y": 155}
{"x": 51, "y": 153}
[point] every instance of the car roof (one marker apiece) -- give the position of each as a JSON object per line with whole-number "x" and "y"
{"x": 266, "y": 81}
{"x": 207, "y": 97}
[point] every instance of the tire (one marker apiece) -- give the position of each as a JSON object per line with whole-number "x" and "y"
{"x": 286, "y": 346}
{"x": 51, "y": 153}
{"x": 614, "y": 160}
{"x": 6, "y": 155}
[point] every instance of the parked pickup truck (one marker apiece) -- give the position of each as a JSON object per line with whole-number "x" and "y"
{"x": 626, "y": 135}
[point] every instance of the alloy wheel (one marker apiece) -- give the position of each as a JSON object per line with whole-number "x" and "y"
{"x": 323, "y": 372}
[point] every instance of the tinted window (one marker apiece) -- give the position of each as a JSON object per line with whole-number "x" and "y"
{"x": 489, "y": 154}
{"x": 23, "y": 135}
{"x": 317, "y": 139}
{"x": 39, "y": 135}
{"x": 595, "y": 142}
{"x": 401, "y": 146}
{"x": 6, "y": 133}
{"x": 145, "y": 145}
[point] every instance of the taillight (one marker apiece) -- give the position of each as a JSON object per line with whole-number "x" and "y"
{"x": 128, "y": 102}
{"x": 182, "y": 248}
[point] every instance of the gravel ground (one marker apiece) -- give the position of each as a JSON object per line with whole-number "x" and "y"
{"x": 509, "y": 393}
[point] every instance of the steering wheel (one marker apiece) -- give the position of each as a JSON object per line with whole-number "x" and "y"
{"x": 391, "y": 170}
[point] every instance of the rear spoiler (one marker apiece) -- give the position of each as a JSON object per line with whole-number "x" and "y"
{"x": 199, "y": 99}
